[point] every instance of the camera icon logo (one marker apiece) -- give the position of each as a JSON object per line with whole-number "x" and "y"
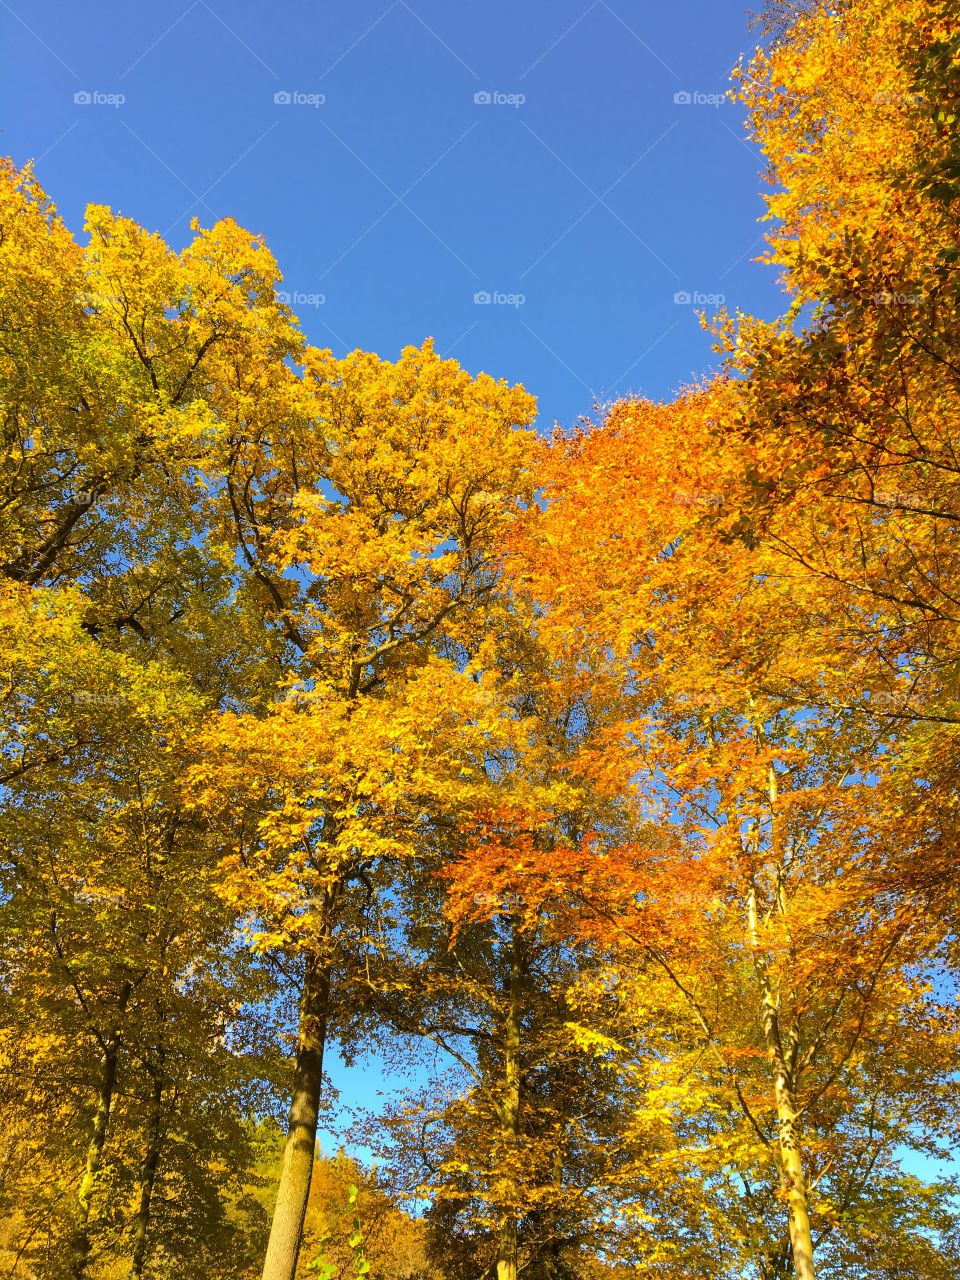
{"x": 83, "y": 98}
{"x": 482, "y": 297}
{"x": 683, "y": 97}
{"x": 282, "y": 98}
{"x": 483, "y": 98}
{"x": 682, "y": 298}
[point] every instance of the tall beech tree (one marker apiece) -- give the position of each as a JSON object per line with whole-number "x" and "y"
{"x": 122, "y": 621}
{"x": 521, "y": 1163}
{"x": 779, "y": 793}
{"x": 859, "y": 409}
{"x": 371, "y": 527}
{"x": 804, "y": 513}
{"x": 178, "y": 469}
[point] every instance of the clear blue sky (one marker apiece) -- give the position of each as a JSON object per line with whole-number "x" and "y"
{"x": 597, "y": 196}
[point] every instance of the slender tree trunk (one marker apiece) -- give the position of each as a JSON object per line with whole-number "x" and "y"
{"x": 792, "y": 1177}
{"x": 507, "y": 1248}
{"x": 296, "y": 1171}
{"x": 148, "y": 1176}
{"x": 510, "y": 1103}
{"x": 80, "y": 1240}
{"x": 793, "y": 1182}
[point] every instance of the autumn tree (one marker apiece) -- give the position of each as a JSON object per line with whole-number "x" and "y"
{"x": 128, "y": 1008}
{"x": 516, "y": 1147}
{"x": 368, "y": 526}
{"x": 622, "y": 766}
{"x": 774, "y": 796}
{"x": 122, "y": 624}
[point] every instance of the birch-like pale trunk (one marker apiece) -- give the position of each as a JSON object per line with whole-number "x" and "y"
{"x": 782, "y": 1054}
{"x": 296, "y": 1173}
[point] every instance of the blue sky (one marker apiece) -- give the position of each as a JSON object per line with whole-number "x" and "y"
{"x": 580, "y": 195}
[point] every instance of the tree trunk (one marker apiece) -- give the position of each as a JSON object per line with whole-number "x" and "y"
{"x": 296, "y": 1171}
{"x": 80, "y": 1240}
{"x": 148, "y": 1177}
{"x": 510, "y": 1104}
{"x": 782, "y": 1057}
{"x": 783, "y": 1052}
{"x": 792, "y": 1178}
{"x": 794, "y": 1182}
{"x": 507, "y": 1248}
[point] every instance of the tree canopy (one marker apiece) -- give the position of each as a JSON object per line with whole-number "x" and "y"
{"x": 604, "y": 782}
